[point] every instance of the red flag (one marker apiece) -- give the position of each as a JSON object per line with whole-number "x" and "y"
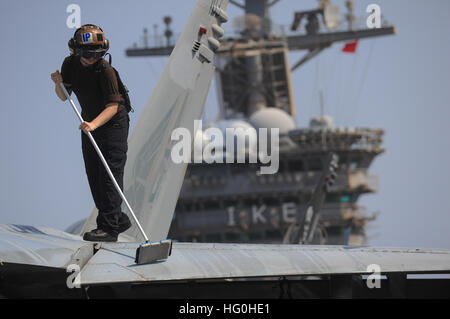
{"x": 350, "y": 47}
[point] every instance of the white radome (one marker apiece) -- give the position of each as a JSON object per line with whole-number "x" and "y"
{"x": 273, "y": 118}
{"x": 248, "y": 131}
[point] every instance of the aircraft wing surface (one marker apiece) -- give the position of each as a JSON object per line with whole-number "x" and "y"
{"x": 37, "y": 246}
{"x": 114, "y": 264}
{"x": 35, "y": 262}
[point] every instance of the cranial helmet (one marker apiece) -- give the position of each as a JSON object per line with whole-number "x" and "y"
{"x": 89, "y": 41}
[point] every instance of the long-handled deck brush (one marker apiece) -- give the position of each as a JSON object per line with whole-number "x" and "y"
{"x": 146, "y": 252}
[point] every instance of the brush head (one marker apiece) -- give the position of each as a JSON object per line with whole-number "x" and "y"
{"x": 152, "y": 251}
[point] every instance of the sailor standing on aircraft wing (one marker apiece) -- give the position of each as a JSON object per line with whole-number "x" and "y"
{"x": 105, "y": 115}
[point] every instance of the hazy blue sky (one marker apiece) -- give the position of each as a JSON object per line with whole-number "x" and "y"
{"x": 398, "y": 83}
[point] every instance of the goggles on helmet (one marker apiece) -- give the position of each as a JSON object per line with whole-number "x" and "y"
{"x": 87, "y": 54}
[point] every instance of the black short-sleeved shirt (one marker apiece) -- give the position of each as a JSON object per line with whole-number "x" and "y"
{"x": 95, "y": 86}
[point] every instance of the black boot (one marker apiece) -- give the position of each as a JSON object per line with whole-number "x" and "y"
{"x": 99, "y": 235}
{"x": 124, "y": 223}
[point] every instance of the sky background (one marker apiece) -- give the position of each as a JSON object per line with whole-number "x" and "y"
{"x": 397, "y": 83}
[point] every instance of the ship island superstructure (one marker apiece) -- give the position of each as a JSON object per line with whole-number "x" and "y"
{"x": 234, "y": 202}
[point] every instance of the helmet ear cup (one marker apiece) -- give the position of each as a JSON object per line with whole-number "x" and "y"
{"x": 71, "y": 45}
{"x": 106, "y": 45}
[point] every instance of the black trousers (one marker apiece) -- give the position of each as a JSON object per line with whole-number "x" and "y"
{"x": 111, "y": 138}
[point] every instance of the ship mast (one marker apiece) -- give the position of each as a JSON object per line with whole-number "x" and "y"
{"x": 253, "y": 70}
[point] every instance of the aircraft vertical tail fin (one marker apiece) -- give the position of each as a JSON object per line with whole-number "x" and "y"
{"x": 153, "y": 181}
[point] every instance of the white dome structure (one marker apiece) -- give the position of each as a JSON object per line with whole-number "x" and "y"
{"x": 224, "y": 124}
{"x": 273, "y": 118}
{"x": 243, "y": 130}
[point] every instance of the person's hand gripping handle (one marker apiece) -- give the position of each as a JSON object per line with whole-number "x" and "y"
{"x": 56, "y": 77}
